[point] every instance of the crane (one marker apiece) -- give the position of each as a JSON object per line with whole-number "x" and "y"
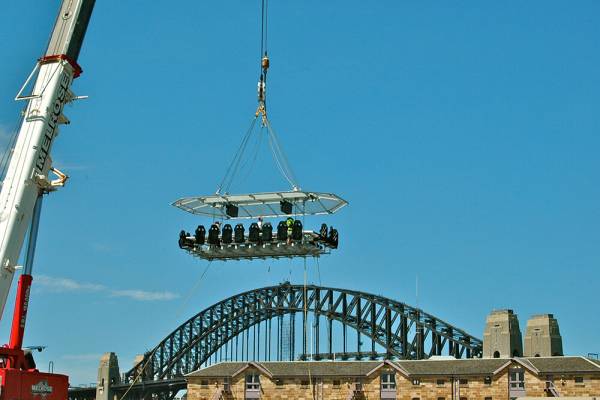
{"x": 30, "y": 176}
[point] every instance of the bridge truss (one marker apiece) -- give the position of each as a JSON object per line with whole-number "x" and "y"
{"x": 289, "y": 322}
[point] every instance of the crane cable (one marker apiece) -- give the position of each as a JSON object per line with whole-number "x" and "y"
{"x": 278, "y": 154}
{"x": 235, "y": 162}
{"x": 280, "y": 158}
{"x": 264, "y": 27}
{"x": 264, "y": 63}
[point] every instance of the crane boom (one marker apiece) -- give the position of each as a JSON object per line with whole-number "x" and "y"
{"x": 27, "y": 174}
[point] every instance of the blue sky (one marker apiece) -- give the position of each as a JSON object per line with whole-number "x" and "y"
{"x": 465, "y": 136}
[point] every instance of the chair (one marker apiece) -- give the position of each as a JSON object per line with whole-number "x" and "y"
{"x": 282, "y": 231}
{"x": 227, "y": 234}
{"x": 254, "y": 233}
{"x": 239, "y": 233}
{"x": 297, "y": 230}
{"x": 333, "y": 238}
{"x": 267, "y": 232}
{"x": 213, "y": 235}
{"x": 200, "y": 235}
{"x": 183, "y": 241}
{"x": 323, "y": 232}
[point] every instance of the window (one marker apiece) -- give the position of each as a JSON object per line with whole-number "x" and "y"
{"x": 204, "y": 383}
{"x": 304, "y": 384}
{"x": 440, "y": 382}
{"x": 336, "y": 383}
{"x": 253, "y": 381}
{"x": 487, "y": 380}
{"x": 463, "y": 398}
{"x": 516, "y": 383}
{"x": 517, "y": 379}
{"x": 388, "y": 381}
{"x": 463, "y": 382}
{"x": 279, "y": 382}
{"x": 579, "y": 379}
{"x": 416, "y": 381}
{"x": 488, "y": 398}
{"x": 415, "y": 398}
{"x": 441, "y": 398}
{"x": 496, "y": 354}
{"x": 388, "y": 385}
{"x": 252, "y": 386}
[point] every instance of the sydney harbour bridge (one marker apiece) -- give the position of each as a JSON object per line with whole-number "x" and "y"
{"x": 290, "y": 322}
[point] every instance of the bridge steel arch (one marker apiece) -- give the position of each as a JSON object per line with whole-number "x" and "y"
{"x": 404, "y": 332}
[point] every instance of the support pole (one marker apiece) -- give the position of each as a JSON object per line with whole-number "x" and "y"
{"x": 373, "y": 329}
{"x": 330, "y": 324}
{"x": 420, "y": 337}
{"x": 279, "y": 337}
{"x": 269, "y": 335}
{"x": 292, "y": 335}
{"x": 317, "y": 316}
{"x": 404, "y": 333}
{"x": 344, "y": 330}
{"x": 254, "y": 342}
{"x": 304, "y": 345}
{"x": 388, "y": 333}
{"x": 358, "y": 325}
{"x": 247, "y": 343}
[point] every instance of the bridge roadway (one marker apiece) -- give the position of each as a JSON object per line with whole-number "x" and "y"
{"x": 137, "y": 391}
{"x": 395, "y": 331}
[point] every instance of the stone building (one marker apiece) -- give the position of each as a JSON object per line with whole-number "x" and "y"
{"x": 108, "y": 375}
{"x": 542, "y": 337}
{"x": 502, "y": 335}
{"x": 437, "y": 379}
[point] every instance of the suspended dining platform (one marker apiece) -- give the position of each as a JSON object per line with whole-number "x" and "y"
{"x": 311, "y": 244}
{"x": 287, "y": 240}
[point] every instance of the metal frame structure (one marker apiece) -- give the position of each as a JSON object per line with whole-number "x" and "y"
{"x": 267, "y": 205}
{"x": 402, "y": 331}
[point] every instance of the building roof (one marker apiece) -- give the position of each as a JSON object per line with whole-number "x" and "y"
{"x": 564, "y": 364}
{"x": 223, "y": 369}
{"x": 473, "y": 366}
{"x": 595, "y": 361}
{"x": 321, "y": 368}
{"x": 460, "y": 367}
{"x": 292, "y": 368}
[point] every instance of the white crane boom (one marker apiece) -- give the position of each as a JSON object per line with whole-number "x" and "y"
{"x": 27, "y": 175}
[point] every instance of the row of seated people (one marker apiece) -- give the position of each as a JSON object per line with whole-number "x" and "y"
{"x": 286, "y": 232}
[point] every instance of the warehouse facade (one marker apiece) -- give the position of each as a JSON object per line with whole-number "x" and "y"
{"x": 437, "y": 379}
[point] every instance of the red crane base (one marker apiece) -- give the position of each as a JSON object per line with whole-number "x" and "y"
{"x": 32, "y": 385}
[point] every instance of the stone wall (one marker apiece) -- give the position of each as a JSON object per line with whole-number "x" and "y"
{"x": 425, "y": 388}
{"x": 470, "y": 387}
{"x": 566, "y": 385}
